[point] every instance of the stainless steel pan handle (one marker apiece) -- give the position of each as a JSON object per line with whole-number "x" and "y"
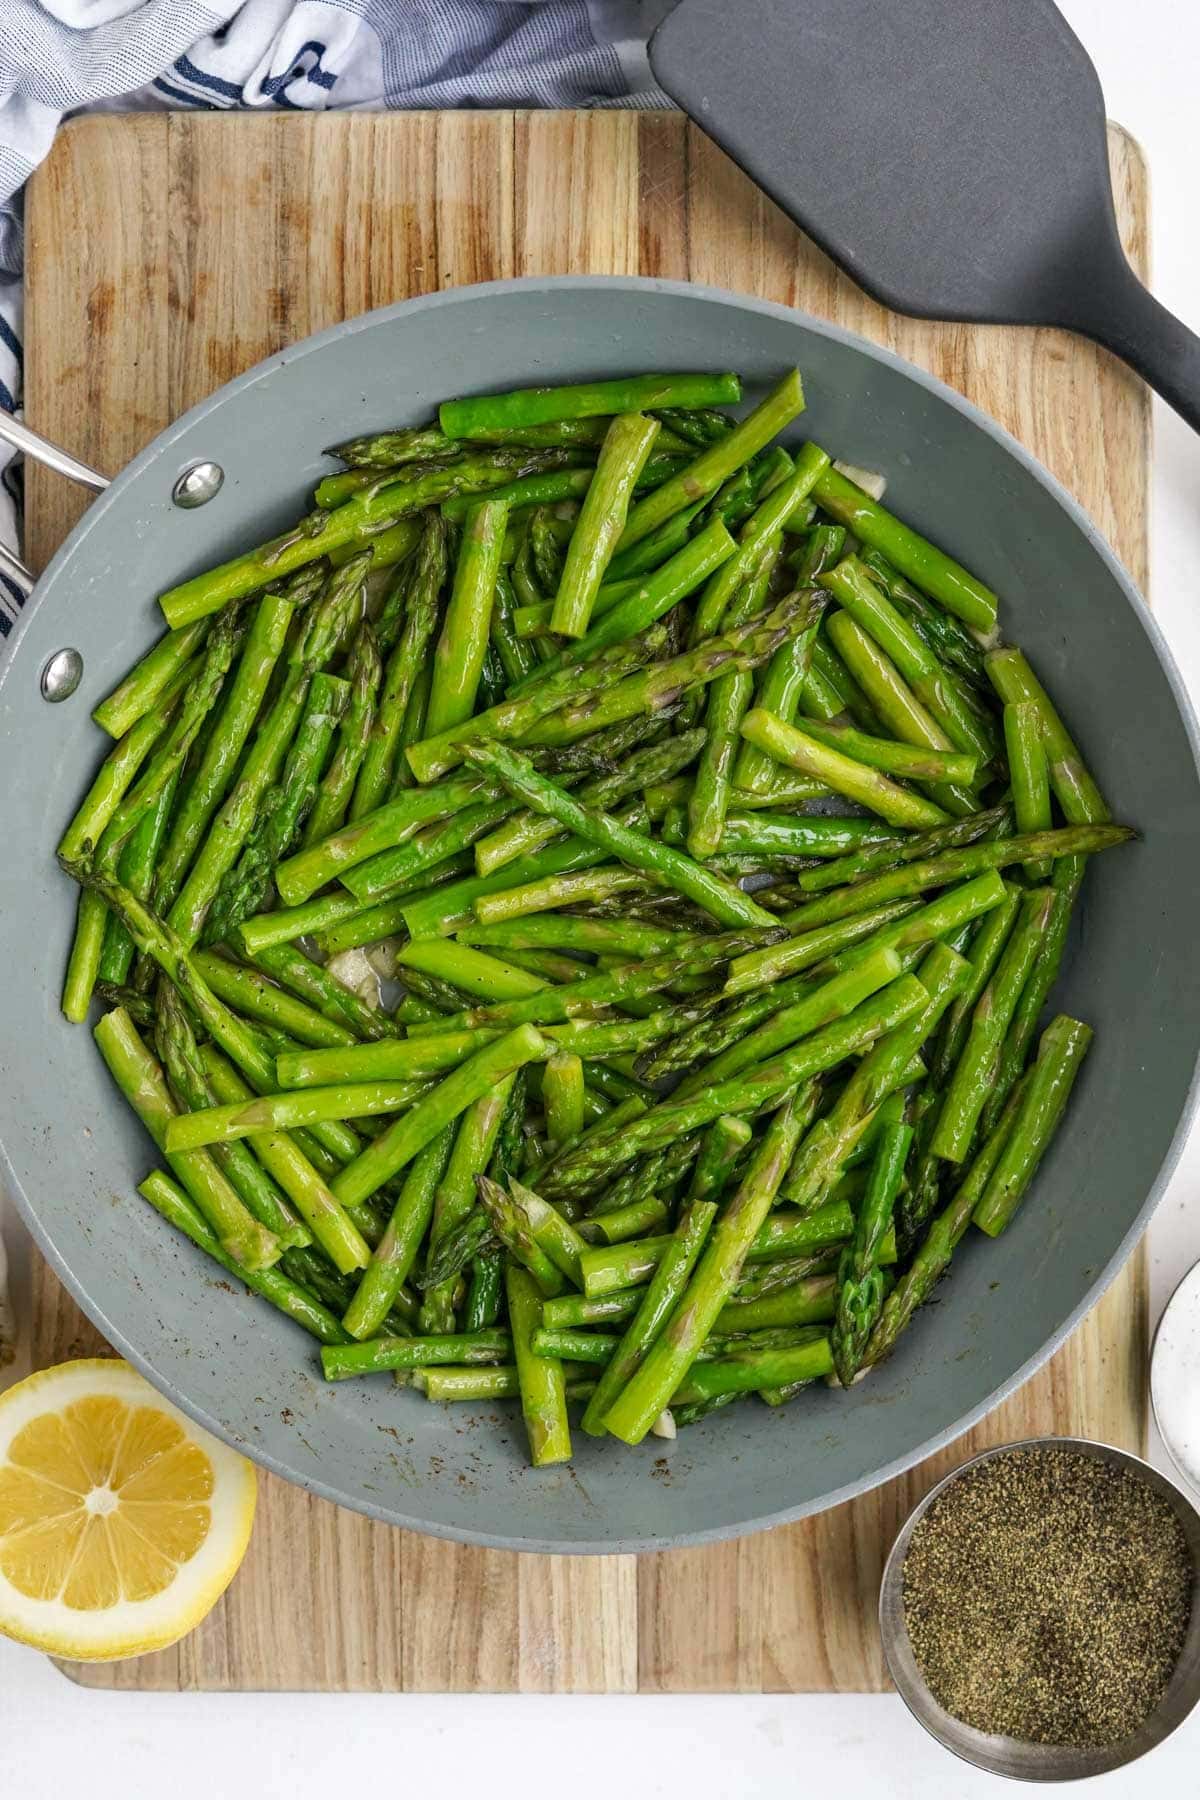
{"x": 13, "y": 432}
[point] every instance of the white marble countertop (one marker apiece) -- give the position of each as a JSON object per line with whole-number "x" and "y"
{"x": 57, "y": 1739}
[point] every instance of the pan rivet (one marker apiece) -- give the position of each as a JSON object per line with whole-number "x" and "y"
{"x": 62, "y": 675}
{"x": 197, "y": 485}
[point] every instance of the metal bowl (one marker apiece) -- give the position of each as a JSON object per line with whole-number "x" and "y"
{"x": 1013, "y": 1756}
{"x": 74, "y": 1152}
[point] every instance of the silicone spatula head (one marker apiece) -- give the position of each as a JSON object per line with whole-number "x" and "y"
{"x": 951, "y": 155}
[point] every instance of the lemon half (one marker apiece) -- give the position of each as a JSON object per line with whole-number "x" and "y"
{"x": 121, "y": 1522}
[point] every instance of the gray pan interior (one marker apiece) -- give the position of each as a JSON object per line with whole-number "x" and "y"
{"x": 74, "y": 1152}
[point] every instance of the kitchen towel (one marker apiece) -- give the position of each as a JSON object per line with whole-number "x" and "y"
{"x": 59, "y": 57}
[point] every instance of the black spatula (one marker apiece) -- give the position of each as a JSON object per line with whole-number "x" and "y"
{"x": 950, "y": 154}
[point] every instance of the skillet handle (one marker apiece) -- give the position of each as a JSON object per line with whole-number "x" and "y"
{"x": 13, "y": 432}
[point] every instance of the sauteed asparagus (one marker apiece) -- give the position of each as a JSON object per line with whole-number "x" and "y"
{"x": 575, "y": 913}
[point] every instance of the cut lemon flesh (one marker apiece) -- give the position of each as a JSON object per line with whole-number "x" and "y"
{"x": 121, "y": 1522}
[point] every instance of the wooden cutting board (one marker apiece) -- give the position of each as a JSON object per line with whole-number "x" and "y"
{"x": 166, "y": 253}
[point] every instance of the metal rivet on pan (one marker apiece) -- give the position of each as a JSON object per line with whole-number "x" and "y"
{"x": 62, "y": 675}
{"x": 197, "y": 485}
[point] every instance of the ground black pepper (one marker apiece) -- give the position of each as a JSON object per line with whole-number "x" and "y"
{"x": 1047, "y": 1597}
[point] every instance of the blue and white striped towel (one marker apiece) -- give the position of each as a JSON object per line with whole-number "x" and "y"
{"x": 66, "y": 56}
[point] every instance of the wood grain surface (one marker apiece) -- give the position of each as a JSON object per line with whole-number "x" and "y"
{"x": 212, "y": 241}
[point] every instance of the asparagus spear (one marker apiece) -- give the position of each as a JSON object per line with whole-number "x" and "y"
{"x": 601, "y": 520}
{"x": 943, "y": 975}
{"x": 474, "y": 1142}
{"x": 766, "y": 834}
{"x": 955, "y": 865}
{"x": 651, "y": 1386}
{"x": 454, "y": 480}
{"x": 136, "y": 871}
{"x": 244, "y": 888}
{"x": 726, "y": 702}
{"x": 341, "y": 1362}
{"x": 154, "y": 938}
{"x": 976, "y": 1069}
{"x": 339, "y": 1233}
{"x": 946, "y": 636}
{"x": 169, "y": 753}
{"x": 420, "y": 588}
{"x": 461, "y": 647}
{"x": 543, "y": 406}
{"x": 563, "y": 1097}
{"x": 659, "y": 1302}
{"x": 648, "y": 600}
{"x": 526, "y": 832}
{"x": 394, "y": 1255}
{"x": 354, "y": 523}
{"x": 569, "y": 931}
{"x": 322, "y": 990}
{"x": 864, "y": 785}
{"x": 82, "y": 836}
{"x": 984, "y": 954}
{"x": 391, "y": 824}
{"x": 777, "y": 506}
{"x": 323, "y": 631}
{"x": 171, "y": 1203}
{"x": 443, "y": 909}
{"x": 289, "y": 1112}
{"x": 1063, "y": 1046}
{"x": 945, "y": 914}
{"x": 714, "y": 465}
{"x": 721, "y": 1024}
{"x": 511, "y": 1226}
{"x": 695, "y": 425}
{"x": 598, "y": 1152}
{"x": 1066, "y": 879}
{"x": 860, "y": 1283}
{"x": 832, "y": 690}
{"x": 254, "y": 996}
{"x": 593, "y": 1347}
{"x": 726, "y": 903}
{"x": 1074, "y": 789}
{"x": 938, "y": 574}
{"x": 149, "y": 679}
{"x": 242, "y": 1238}
{"x": 434, "y": 757}
{"x": 388, "y": 1154}
{"x": 518, "y": 658}
{"x": 902, "y": 715}
{"x": 918, "y": 848}
{"x": 637, "y": 1219}
{"x": 751, "y": 1370}
{"x": 260, "y": 653}
{"x": 364, "y": 671}
{"x": 720, "y": 1149}
{"x": 822, "y": 1005}
{"x": 615, "y": 986}
{"x": 933, "y": 1258}
{"x": 786, "y": 1236}
{"x": 541, "y": 1381}
{"x": 189, "y": 1087}
{"x": 813, "y": 1300}
{"x": 566, "y": 1311}
{"x": 911, "y": 762}
{"x": 489, "y": 1384}
{"x": 1029, "y": 774}
{"x": 936, "y": 687}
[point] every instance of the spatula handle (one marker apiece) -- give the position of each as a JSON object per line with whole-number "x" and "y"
{"x": 1115, "y": 309}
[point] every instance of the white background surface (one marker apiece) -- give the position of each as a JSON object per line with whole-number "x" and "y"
{"x": 58, "y": 1740}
